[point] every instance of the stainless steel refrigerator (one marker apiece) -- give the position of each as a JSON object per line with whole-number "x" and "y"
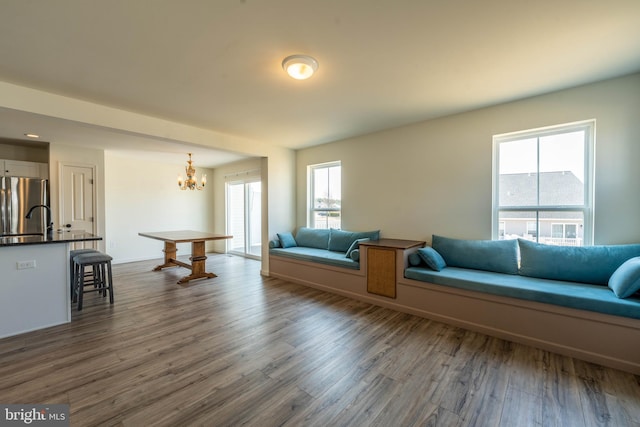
{"x": 17, "y": 196}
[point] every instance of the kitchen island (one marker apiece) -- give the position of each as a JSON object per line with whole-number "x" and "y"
{"x": 34, "y": 280}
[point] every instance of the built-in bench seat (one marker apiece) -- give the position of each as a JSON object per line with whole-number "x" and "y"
{"x": 322, "y": 256}
{"x": 338, "y": 248}
{"x": 327, "y": 259}
{"x": 581, "y": 296}
{"x": 579, "y": 301}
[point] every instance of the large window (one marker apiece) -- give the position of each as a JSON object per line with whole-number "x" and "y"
{"x": 543, "y": 184}
{"x": 325, "y": 195}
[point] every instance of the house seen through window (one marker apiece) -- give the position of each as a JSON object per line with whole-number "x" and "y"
{"x": 325, "y": 183}
{"x": 543, "y": 183}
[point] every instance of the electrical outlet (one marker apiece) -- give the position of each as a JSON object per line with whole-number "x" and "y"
{"x": 23, "y": 265}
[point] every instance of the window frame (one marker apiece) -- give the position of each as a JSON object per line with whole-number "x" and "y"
{"x": 311, "y": 209}
{"x": 587, "y": 208}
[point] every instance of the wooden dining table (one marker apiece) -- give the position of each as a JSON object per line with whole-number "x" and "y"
{"x": 198, "y": 257}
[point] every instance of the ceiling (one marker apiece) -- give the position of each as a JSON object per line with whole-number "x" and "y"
{"x": 216, "y": 64}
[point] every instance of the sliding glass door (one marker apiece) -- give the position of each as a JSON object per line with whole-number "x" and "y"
{"x": 244, "y": 217}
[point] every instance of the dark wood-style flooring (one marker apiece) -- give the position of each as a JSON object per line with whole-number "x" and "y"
{"x": 242, "y": 349}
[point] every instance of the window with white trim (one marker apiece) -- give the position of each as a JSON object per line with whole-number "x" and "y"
{"x": 325, "y": 195}
{"x": 543, "y": 184}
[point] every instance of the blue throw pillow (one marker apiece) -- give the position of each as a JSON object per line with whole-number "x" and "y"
{"x": 585, "y": 264}
{"x": 625, "y": 281}
{"x": 287, "y": 240}
{"x": 313, "y": 237}
{"x": 340, "y": 240}
{"x": 355, "y": 255}
{"x": 371, "y": 235}
{"x": 355, "y": 245}
{"x": 275, "y": 243}
{"x": 432, "y": 258}
{"x": 500, "y": 256}
{"x": 414, "y": 259}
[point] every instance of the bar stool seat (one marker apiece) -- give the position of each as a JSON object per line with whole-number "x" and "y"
{"x": 100, "y": 278}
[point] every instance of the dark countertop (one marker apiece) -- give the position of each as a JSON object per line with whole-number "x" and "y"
{"x": 55, "y": 237}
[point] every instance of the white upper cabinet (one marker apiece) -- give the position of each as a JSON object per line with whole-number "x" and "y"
{"x": 25, "y": 169}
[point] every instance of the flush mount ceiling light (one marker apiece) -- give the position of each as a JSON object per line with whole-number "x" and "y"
{"x": 300, "y": 67}
{"x": 31, "y": 135}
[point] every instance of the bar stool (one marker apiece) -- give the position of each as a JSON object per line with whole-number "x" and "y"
{"x": 73, "y": 254}
{"x": 100, "y": 278}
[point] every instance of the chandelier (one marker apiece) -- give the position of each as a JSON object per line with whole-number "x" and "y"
{"x": 192, "y": 182}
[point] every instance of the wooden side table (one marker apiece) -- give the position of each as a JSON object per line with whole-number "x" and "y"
{"x": 384, "y": 256}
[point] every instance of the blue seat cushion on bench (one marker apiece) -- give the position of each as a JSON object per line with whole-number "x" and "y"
{"x": 500, "y": 256}
{"x": 568, "y": 294}
{"x": 322, "y": 256}
{"x": 584, "y": 264}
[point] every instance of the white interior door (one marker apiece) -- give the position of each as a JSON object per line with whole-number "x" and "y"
{"x": 77, "y": 194}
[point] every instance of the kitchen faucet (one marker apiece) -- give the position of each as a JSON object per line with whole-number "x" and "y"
{"x": 30, "y": 213}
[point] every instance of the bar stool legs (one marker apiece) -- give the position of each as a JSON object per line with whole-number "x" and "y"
{"x": 100, "y": 276}
{"x": 72, "y": 254}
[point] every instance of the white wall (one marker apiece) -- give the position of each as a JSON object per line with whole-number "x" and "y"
{"x": 435, "y": 177}
{"x": 144, "y": 196}
{"x": 278, "y": 177}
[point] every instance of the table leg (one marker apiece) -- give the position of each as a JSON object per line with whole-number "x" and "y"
{"x": 198, "y": 259}
{"x": 170, "y": 251}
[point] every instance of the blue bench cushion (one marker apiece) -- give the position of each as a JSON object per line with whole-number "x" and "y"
{"x": 574, "y": 295}
{"x": 500, "y": 256}
{"x": 323, "y": 256}
{"x": 584, "y": 264}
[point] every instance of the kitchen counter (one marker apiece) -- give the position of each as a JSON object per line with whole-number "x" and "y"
{"x": 55, "y": 237}
{"x": 34, "y": 280}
